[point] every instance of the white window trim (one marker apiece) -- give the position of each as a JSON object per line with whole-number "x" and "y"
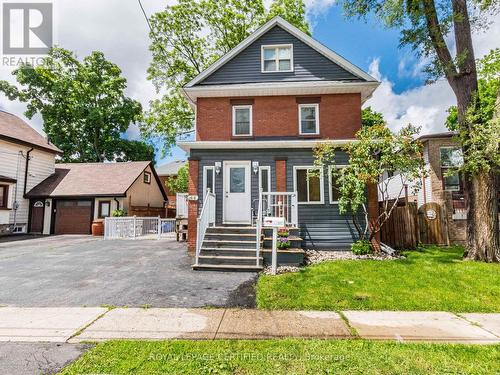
{"x": 235, "y": 107}
{"x": 440, "y": 160}
{"x": 321, "y": 183}
{"x": 316, "y": 106}
{"x": 337, "y": 166}
{"x": 269, "y": 46}
{"x": 205, "y": 168}
{"x": 266, "y": 168}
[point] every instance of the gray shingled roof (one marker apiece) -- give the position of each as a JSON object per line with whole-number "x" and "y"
{"x": 90, "y": 179}
{"x": 170, "y": 169}
{"x": 14, "y": 129}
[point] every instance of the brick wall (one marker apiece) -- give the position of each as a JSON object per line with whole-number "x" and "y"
{"x": 192, "y": 205}
{"x": 280, "y": 174}
{"x": 456, "y": 228}
{"x": 339, "y": 117}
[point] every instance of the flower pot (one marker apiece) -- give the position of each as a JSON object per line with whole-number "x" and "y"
{"x": 98, "y": 227}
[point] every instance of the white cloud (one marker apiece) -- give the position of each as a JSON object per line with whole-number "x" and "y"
{"x": 426, "y": 105}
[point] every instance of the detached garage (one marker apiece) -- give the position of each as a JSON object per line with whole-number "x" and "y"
{"x": 73, "y": 197}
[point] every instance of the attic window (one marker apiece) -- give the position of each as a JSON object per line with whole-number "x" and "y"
{"x": 147, "y": 177}
{"x": 277, "y": 58}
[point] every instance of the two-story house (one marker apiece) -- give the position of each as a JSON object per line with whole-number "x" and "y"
{"x": 26, "y": 159}
{"x": 260, "y": 111}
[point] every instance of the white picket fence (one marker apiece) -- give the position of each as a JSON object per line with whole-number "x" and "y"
{"x": 134, "y": 227}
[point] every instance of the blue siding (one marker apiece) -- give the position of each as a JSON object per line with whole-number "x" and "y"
{"x": 321, "y": 225}
{"x": 309, "y": 65}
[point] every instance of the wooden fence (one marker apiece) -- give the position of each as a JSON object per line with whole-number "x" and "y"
{"x": 147, "y": 211}
{"x": 401, "y": 230}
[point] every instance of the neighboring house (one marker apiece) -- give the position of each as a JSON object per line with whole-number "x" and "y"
{"x": 260, "y": 110}
{"x": 167, "y": 172}
{"x": 441, "y": 152}
{"x": 26, "y": 159}
{"x": 76, "y": 194}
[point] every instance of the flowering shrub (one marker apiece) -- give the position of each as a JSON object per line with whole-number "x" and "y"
{"x": 283, "y": 240}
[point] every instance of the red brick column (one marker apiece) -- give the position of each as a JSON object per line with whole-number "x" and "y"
{"x": 280, "y": 174}
{"x": 192, "y": 205}
{"x": 373, "y": 212}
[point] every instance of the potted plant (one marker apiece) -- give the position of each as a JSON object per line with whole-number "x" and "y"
{"x": 283, "y": 239}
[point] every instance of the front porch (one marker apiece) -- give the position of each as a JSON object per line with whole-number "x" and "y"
{"x": 247, "y": 247}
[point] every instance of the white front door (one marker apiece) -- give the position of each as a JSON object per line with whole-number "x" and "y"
{"x": 237, "y": 194}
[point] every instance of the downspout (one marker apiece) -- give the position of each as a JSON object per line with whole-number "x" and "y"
{"x": 117, "y": 203}
{"x": 26, "y": 171}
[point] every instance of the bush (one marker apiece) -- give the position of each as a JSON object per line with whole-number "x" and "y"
{"x": 361, "y": 247}
{"x": 118, "y": 213}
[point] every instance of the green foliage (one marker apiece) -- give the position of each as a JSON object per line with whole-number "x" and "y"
{"x": 361, "y": 247}
{"x": 375, "y": 151}
{"x": 369, "y": 117}
{"x": 433, "y": 279}
{"x": 489, "y": 75}
{"x": 130, "y": 150}
{"x": 188, "y": 37}
{"x": 480, "y": 141}
{"x": 82, "y": 103}
{"x": 424, "y": 26}
{"x": 118, "y": 213}
{"x": 179, "y": 184}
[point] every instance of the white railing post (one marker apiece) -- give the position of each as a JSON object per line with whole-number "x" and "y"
{"x": 159, "y": 227}
{"x": 207, "y": 216}
{"x": 258, "y": 228}
{"x": 134, "y": 224}
{"x": 295, "y": 209}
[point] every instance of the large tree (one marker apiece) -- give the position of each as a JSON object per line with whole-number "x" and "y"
{"x": 82, "y": 103}
{"x": 426, "y": 26}
{"x": 189, "y": 36}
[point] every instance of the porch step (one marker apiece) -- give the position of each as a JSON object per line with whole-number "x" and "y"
{"x": 226, "y": 267}
{"x": 230, "y": 244}
{"x": 227, "y": 251}
{"x": 229, "y": 260}
{"x": 231, "y": 230}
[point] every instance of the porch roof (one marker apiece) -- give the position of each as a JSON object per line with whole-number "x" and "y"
{"x": 300, "y": 143}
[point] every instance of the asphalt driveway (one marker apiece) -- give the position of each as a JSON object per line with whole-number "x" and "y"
{"x": 85, "y": 271}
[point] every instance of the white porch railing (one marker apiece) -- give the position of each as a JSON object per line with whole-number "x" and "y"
{"x": 133, "y": 227}
{"x": 181, "y": 205}
{"x": 280, "y": 204}
{"x": 258, "y": 227}
{"x": 207, "y": 217}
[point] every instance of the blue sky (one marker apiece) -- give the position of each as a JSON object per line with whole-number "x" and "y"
{"x": 86, "y": 25}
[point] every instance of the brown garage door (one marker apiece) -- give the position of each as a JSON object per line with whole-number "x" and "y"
{"x": 73, "y": 217}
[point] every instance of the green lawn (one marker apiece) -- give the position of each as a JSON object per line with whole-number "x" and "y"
{"x": 432, "y": 279}
{"x": 285, "y": 357}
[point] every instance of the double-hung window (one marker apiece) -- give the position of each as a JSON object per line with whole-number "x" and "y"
{"x": 334, "y": 184}
{"x": 308, "y": 119}
{"x": 104, "y": 209}
{"x": 277, "y": 58}
{"x": 208, "y": 180}
{"x": 308, "y": 183}
{"x": 242, "y": 120}
{"x": 451, "y": 157}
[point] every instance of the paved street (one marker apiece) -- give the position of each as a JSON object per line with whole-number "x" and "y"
{"x": 85, "y": 271}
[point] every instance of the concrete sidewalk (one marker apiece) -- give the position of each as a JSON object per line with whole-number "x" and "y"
{"x": 97, "y": 324}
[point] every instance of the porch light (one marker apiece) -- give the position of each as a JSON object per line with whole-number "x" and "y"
{"x": 218, "y": 166}
{"x": 255, "y": 166}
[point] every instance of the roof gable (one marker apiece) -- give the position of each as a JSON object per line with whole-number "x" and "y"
{"x": 312, "y": 61}
{"x": 91, "y": 179}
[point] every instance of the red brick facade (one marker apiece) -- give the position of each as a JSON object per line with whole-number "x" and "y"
{"x": 339, "y": 117}
{"x": 192, "y": 204}
{"x": 280, "y": 174}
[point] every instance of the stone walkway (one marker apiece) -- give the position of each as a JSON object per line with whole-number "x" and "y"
{"x": 77, "y": 324}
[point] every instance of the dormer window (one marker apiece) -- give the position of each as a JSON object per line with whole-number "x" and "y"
{"x": 277, "y": 58}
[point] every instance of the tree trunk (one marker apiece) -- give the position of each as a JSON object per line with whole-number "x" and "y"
{"x": 480, "y": 188}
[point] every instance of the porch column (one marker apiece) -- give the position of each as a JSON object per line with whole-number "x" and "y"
{"x": 192, "y": 204}
{"x": 280, "y": 173}
{"x": 373, "y": 212}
